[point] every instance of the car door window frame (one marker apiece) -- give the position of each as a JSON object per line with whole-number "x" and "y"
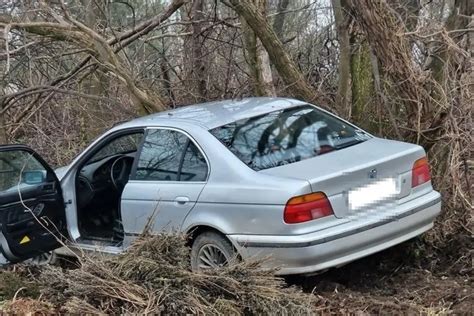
{"x": 59, "y": 226}
{"x": 20, "y": 147}
{"x": 189, "y": 140}
{"x": 106, "y": 140}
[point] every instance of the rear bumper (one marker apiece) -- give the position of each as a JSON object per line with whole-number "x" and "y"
{"x": 338, "y": 245}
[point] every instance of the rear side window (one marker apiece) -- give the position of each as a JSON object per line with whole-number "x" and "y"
{"x": 194, "y": 166}
{"x": 169, "y": 155}
{"x": 286, "y": 136}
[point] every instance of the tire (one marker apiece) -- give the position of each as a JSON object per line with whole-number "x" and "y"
{"x": 207, "y": 246}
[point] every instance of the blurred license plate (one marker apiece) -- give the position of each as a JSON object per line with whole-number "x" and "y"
{"x": 372, "y": 193}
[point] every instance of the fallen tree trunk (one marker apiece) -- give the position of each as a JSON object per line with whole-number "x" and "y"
{"x": 101, "y": 48}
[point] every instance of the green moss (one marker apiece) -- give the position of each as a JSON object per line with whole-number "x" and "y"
{"x": 363, "y": 89}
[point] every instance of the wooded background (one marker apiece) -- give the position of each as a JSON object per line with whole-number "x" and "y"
{"x": 69, "y": 69}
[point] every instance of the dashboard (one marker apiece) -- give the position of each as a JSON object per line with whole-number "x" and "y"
{"x": 96, "y": 177}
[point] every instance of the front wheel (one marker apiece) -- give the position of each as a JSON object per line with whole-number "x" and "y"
{"x": 46, "y": 258}
{"x": 211, "y": 250}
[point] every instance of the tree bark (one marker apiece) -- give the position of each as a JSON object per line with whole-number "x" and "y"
{"x": 194, "y": 65}
{"x": 164, "y": 66}
{"x": 257, "y": 58}
{"x": 363, "y": 89}
{"x": 344, "y": 69}
{"x": 95, "y": 83}
{"x": 285, "y": 66}
{"x": 420, "y": 95}
{"x": 279, "y": 21}
{"x": 393, "y": 52}
{"x": 408, "y": 11}
{"x": 3, "y": 127}
{"x": 101, "y": 48}
{"x": 458, "y": 18}
{"x": 146, "y": 102}
{"x": 355, "y": 69}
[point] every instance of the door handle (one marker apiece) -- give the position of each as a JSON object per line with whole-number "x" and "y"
{"x": 181, "y": 199}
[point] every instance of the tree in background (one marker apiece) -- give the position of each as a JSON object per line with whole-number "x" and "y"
{"x": 257, "y": 57}
{"x": 400, "y": 69}
{"x": 194, "y": 65}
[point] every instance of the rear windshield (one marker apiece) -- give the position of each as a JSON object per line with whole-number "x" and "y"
{"x": 286, "y": 136}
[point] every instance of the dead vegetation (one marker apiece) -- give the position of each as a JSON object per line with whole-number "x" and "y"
{"x": 154, "y": 276}
{"x": 406, "y": 279}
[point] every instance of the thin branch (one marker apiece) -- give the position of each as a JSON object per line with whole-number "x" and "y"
{"x": 7, "y": 52}
{"x": 15, "y": 51}
{"x": 168, "y": 35}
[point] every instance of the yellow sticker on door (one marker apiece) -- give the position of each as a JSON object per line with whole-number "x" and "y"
{"x": 25, "y": 240}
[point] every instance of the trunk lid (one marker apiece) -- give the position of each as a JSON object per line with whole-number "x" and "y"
{"x": 353, "y": 168}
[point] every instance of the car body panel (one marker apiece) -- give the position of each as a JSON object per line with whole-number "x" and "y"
{"x": 157, "y": 205}
{"x": 337, "y": 172}
{"x": 213, "y": 114}
{"x": 300, "y": 254}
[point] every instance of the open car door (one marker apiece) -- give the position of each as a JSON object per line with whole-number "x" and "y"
{"x": 32, "y": 210}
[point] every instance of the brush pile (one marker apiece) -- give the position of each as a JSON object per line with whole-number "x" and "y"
{"x": 154, "y": 277}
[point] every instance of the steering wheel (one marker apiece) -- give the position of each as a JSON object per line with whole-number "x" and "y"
{"x": 121, "y": 178}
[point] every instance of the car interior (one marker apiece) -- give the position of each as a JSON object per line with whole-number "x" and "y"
{"x": 99, "y": 186}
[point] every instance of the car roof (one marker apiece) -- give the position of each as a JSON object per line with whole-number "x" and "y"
{"x": 213, "y": 114}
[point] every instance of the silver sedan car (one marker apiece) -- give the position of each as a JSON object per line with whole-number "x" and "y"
{"x": 253, "y": 178}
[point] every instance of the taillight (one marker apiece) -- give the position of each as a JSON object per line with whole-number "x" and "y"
{"x": 420, "y": 172}
{"x": 307, "y": 207}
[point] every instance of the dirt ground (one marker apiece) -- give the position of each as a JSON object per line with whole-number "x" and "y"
{"x": 410, "y": 278}
{"x": 402, "y": 279}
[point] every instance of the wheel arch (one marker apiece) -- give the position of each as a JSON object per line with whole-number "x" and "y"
{"x": 198, "y": 229}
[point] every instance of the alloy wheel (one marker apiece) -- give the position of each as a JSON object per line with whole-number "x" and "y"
{"x": 211, "y": 256}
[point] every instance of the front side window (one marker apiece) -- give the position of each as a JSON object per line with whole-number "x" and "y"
{"x": 286, "y": 136}
{"x": 119, "y": 146}
{"x": 19, "y": 169}
{"x": 169, "y": 155}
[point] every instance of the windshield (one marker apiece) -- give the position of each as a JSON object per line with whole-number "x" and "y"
{"x": 120, "y": 145}
{"x": 286, "y": 136}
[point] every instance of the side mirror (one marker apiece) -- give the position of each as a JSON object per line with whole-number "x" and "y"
{"x": 33, "y": 176}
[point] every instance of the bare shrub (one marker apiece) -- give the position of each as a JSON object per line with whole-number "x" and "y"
{"x": 154, "y": 276}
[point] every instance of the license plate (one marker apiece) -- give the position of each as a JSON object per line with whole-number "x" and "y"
{"x": 372, "y": 193}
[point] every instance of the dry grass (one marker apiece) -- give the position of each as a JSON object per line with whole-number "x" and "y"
{"x": 153, "y": 276}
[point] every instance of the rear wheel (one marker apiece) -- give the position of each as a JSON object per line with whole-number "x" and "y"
{"x": 211, "y": 250}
